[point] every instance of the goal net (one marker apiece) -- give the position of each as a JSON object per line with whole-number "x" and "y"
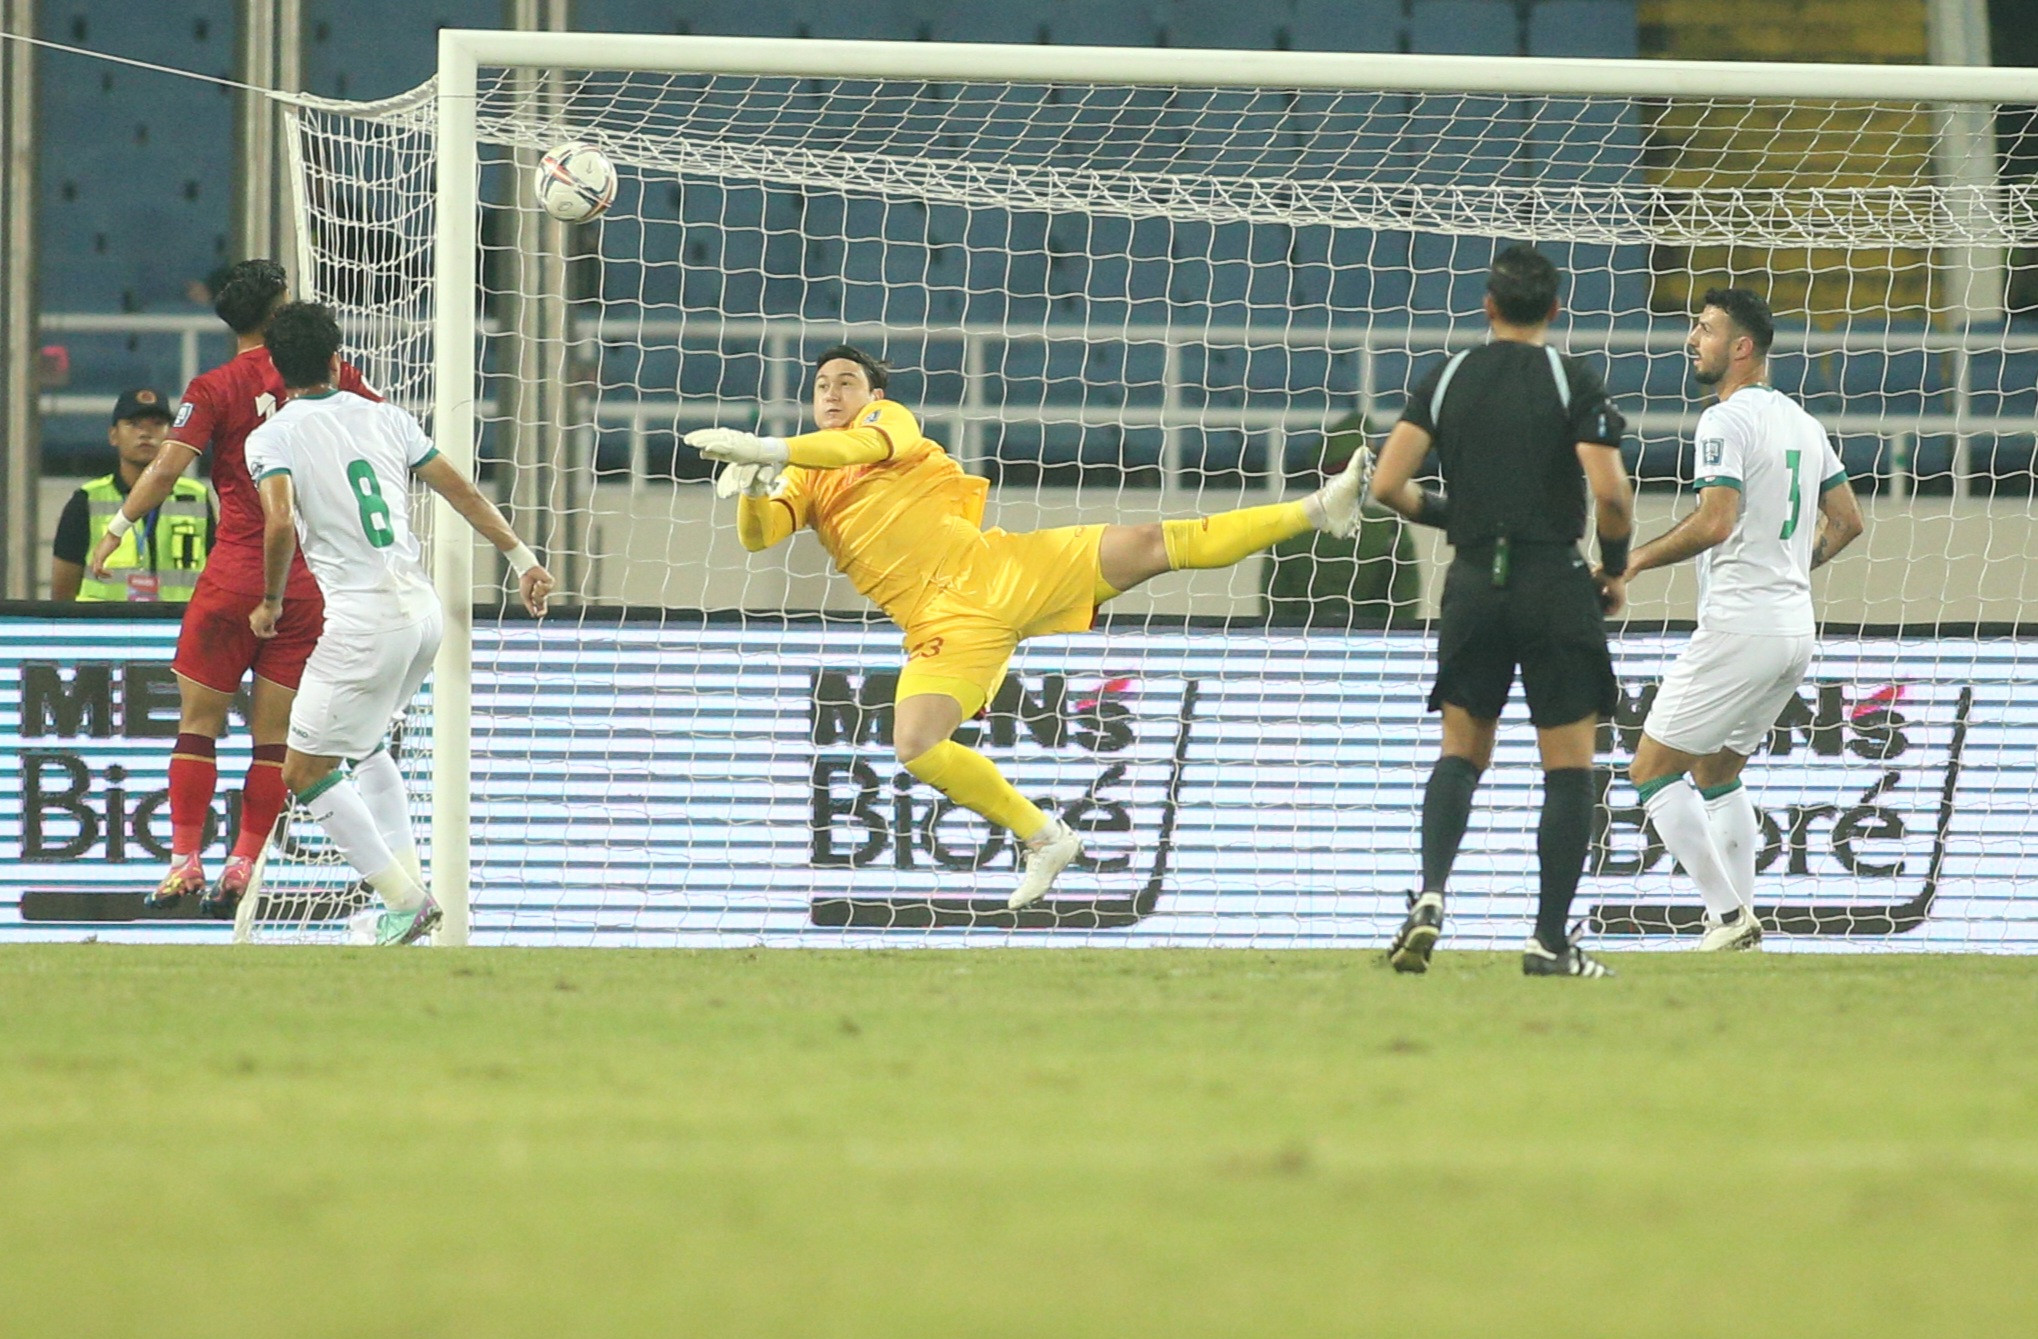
{"x": 1131, "y": 285}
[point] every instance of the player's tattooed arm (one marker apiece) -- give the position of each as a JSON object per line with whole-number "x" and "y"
{"x": 1839, "y": 523}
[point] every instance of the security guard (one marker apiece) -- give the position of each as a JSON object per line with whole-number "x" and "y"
{"x": 160, "y": 558}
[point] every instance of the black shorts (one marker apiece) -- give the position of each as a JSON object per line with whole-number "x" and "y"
{"x": 1546, "y": 619}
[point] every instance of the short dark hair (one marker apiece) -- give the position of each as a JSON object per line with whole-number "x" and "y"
{"x": 248, "y": 295}
{"x": 876, "y": 369}
{"x": 303, "y": 337}
{"x": 1749, "y": 313}
{"x": 1522, "y": 284}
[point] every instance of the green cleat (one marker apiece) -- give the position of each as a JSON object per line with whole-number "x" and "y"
{"x": 407, "y": 927}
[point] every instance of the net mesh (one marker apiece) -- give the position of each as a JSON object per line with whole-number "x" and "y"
{"x": 1124, "y": 303}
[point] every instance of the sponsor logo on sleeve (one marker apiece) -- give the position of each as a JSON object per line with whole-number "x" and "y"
{"x": 1711, "y": 451}
{"x": 872, "y": 416}
{"x": 183, "y": 415}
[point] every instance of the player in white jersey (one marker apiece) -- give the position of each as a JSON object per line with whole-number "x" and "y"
{"x": 334, "y": 472}
{"x": 1774, "y": 503}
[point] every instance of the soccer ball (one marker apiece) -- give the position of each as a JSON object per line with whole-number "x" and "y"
{"x": 575, "y": 182}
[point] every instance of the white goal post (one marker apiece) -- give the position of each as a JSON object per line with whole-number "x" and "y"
{"x": 1941, "y": 209}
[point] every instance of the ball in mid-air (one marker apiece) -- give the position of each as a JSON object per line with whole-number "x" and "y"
{"x": 575, "y": 182}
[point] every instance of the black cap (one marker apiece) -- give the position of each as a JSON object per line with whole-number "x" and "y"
{"x": 143, "y": 403}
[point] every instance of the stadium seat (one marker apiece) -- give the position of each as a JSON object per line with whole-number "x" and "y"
{"x": 378, "y": 48}
{"x": 1347, "y": 25}
{"x": 1221, "y": 24}
{"x": 1597, "y": 28}
{"x": 1103, "y": 22}
{"x": 1464, "y": 27}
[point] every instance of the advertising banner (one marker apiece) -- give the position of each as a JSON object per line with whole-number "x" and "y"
{"x": 685, "y": 782}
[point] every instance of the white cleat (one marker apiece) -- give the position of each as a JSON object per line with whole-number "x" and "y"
{"x": 1743, "y": 931}
{"x": 1341, "y": 498}
{"x": 1044, "y": 862}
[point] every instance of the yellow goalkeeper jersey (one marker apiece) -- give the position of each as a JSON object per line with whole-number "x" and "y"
{"x": 892, "y": 525}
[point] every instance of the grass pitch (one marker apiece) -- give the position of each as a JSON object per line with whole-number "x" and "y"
{"x": 498, "y": 1142}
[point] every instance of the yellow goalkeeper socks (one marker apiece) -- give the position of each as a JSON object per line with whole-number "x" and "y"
{"x": 973, "y": 781}
{"x": 1223, "y": 539}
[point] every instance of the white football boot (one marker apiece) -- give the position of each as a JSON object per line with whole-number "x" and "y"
{"x": 1044, "y": 861}
{"x": 1742, "y": 931}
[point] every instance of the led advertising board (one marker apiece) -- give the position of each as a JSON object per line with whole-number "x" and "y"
{"x": 686, "y": 782}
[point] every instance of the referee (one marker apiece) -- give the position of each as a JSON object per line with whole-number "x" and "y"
{"x": 1522, "y": 431}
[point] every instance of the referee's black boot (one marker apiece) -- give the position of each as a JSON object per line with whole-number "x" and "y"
{"x": 1538, "y": 960}
{"x": 1418, "y": 935}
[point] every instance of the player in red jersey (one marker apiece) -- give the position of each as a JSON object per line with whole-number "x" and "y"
{"x": 217, "y": 648}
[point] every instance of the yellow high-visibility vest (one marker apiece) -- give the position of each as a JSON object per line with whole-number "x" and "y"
{"x": 170, "y": 543}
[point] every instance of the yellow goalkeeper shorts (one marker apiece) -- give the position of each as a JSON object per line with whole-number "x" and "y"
{"x": 991, "y": 597}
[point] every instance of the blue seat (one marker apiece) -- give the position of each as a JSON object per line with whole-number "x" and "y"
{"x": 1223, "y": 24}
{"x": 1016, "y": 25}
{"x": 1596, "y": 28}
{"x": 1103, "y": 22}
{"x": 377, "y": 48}
{"x": 1347, "y": 25}
{"x": 1464, "y": 28}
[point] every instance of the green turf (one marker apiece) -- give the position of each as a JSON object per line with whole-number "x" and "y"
{"x": 355, "y": 1142}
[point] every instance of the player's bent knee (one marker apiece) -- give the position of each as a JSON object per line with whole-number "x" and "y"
{"x": 913, "y": 739}
{"x": 302, "y": 771}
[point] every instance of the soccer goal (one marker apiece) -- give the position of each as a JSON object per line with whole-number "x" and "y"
{"x": 1133, "y": 284}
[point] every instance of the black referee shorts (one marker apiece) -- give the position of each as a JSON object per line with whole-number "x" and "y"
{"x": 1547, "y": 620}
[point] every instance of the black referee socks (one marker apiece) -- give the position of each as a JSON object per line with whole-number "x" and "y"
{"x": 1446, "y": 805}
{"x": 1561, "y": 840}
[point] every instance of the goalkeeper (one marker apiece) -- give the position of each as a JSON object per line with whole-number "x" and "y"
{"x": 904, "y": 523}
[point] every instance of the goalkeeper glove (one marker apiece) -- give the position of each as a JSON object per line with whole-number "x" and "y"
{"x": 749, "y": 480}
{"x": 738, "y": 448}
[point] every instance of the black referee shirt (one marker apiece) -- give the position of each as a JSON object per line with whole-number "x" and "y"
{"x": 1506, "y": 419}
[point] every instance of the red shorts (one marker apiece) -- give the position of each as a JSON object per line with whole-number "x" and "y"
{"x": 217, "y": 648}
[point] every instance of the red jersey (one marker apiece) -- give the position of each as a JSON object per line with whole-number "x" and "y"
{"x": 220, "y": 409}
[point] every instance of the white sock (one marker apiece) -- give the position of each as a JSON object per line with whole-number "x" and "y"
{"x": 341, "y": 811}
{"x": 1737, "y": 835}
{"x": 1049, "y": 831}
{"x": 381, "y": 786}
{"x": 1679, "y": 816}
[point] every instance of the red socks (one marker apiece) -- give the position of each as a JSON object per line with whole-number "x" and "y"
{"x": 261, "y": 799}
{"x": 193, "y": 774}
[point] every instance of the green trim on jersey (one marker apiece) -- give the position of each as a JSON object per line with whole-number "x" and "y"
{"x": 1833, "y": 480}
{"x": 326, "y": 394}
{"x": 270, "y": 473}
{"x": 1719, "y": 481}
{"x": 425, "y": 459}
